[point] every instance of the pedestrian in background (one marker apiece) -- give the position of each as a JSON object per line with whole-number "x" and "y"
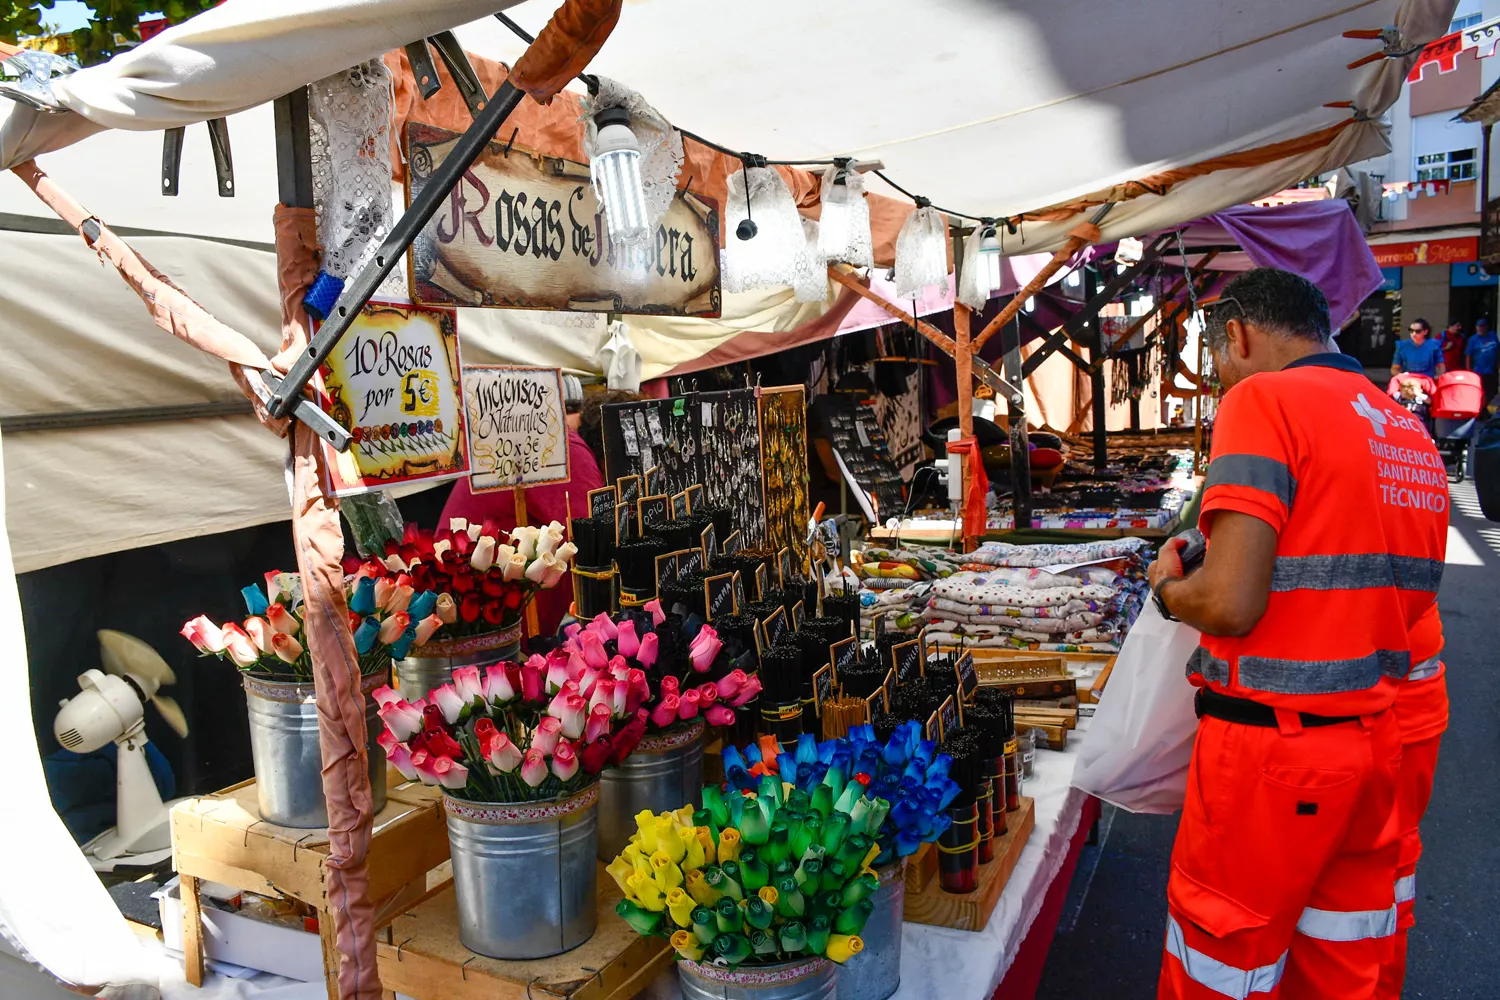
{"x": 1453, "y": 345}
{"x": 1420, "y": 354}
{"x": 1483, "y": 354}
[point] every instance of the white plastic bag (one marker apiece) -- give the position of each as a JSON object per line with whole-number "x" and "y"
{"x": 1139, "y": 744}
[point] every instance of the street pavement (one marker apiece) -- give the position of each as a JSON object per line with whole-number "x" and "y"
{"x": 1109, "y": 937}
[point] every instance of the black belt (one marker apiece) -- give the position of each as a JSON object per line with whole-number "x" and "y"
{"x": 1253, "y": 713}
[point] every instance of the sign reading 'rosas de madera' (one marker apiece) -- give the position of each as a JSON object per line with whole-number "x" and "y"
{"x": 524, "y": 230}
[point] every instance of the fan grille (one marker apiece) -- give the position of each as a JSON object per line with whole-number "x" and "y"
{"x": 70, "y": 738}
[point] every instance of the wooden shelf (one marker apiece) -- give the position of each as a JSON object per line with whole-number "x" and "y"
{"x": 970, "y": 911}
{"x": 424, "y": 959}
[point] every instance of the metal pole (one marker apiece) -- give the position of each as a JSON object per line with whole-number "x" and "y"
{"x": 1136, "y": 362}
{"x": 1096, "y": 372}
{"x": 1020, "y": 449}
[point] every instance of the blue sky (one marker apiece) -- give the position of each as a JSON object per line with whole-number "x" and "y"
{"x": 66, "y": 15}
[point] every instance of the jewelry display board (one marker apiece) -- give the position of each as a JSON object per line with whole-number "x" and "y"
{"x": 730, "y": 453}
{"x": 783, "y": 435}
{"x": 652, "y": 433}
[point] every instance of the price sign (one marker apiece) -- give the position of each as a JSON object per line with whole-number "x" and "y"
{"x": 762, "y": 581}
{"x": 759, "y": 631}
{"x": 889, "y": 683}
{"x": 784, "y": 566}
{"x": 843, "y": 653}
{"x": 630, "y": 488}
{"x": 694, "y": 497}
{"x": 823, "y": 685}
{"x": 655, "y": 510}
{"x": 906, "y": 660}
{"x": 968, "y": 679}
{"x": 775, "y": 626}
{"x": 602, "y": 501}
{"x": 649, "y": 477}
{"x": 622, "y": 522}
{"x": 689, "y": 561}
{"x": 733, "y": 543}
{"x": 876, "y": 704}
{"x": 922, "y": 636}
{"x": 718, "y": 592}
{"x": 679, "y": 506}
{"x": 709, "y": 543}
{"x": 739, "y": 592}
{"x": 948, "y": 714}
{"x": 797, "y": 613}
{"x": 517, "y": 434}
{"x": 666, "y": 569}
{"x": 879, "y": 628}
{"x": 933, "y": 730}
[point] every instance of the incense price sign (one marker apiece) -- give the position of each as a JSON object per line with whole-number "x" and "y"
{"x": 759, "y": 631}
{"x": 877, "y": 704}
{"x": 879, "y": 627}
{"x": 968, "y": 679}
{"x": 906, "y": 660}
{"x": 797, "y": 613}
{"x": 630, "y": 488}
{"x": 395, "y": 384}
{"x": 844, "y": 652}
{"x": 679, "y": 506}
{"x": 933, "y": 730}
{"x": 784, "y": 566}
{"x": 948, "y": 714}
{"x": 739, "y": 591}
{"x": 655, "y": 510}
{"x": 709, "y": 543}
{"x": 517, "y": 433}
{"x": 732, "y": 545}
{"x": 762, "y": 581}
{"x": 718, "y": 593}
{"x": 689, "y": 561}
{"x": 922, "y": 637}
{"x": 823, "y": 682}
{"x": 666, "y": 569}
{"x": 648, "y": 478}
{"x": 694, "y": 496}
{"x": 775, "y": 624}
{"x": 622, "y": 522}
{"x": 602, "y": 501}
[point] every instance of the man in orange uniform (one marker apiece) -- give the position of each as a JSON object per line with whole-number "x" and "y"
{"x": 1421, "y": 715}
{"x": 1325, "y": 506}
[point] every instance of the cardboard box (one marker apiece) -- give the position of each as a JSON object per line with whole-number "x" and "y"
{"x": 242, "y": 940}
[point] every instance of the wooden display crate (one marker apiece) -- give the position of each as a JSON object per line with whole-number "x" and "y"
{"x": 921, "y": 868}
{"x": 423, "y": 958}
{"x": 970, "y": 911}
{"x": 221, "y": 838}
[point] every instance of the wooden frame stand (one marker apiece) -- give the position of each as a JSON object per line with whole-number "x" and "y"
{"x": 970, "y": 911}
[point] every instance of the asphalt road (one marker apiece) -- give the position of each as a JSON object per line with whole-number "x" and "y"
{"x": 1109, "y": 938}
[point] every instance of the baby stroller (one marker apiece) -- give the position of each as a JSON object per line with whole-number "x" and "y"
{"x": 1454, "y": 412}
{"x": 1413, "y": 392}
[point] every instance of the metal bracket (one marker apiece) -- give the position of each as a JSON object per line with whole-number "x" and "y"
{"x": 305, "y": 410}
{"x": 993, "y": 379}
{"x": 171, "y": 158}
{"x": 461, "y": 70}
{"x": 218, "y": 138}
{"x": 423, "y": 69}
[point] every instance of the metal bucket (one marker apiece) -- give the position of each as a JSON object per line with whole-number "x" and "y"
{"x": 804, "y": 979}
{"x": 876, "y": 973}
{"x": 524, "y": 874}
{"x": 431, "y": 666}
{"x": 288, "y": 760}
{"x": 663, "y": 772}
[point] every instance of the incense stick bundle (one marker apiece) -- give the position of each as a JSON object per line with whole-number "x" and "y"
{"x": 637, "y": 562}
{"x": 781, "y": 692}
{"x": 595, "y": 538}
{"x": 844, "y": 606}
{"x": 860, "y": 678}
{"x": 593, "y": 591}
{"x": 685, "y": 593}
{"x": 840, "y": 715}
{"x": 722, "y": 519}
{"x": 958, "y": 847}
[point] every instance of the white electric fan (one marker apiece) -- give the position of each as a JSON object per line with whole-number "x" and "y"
{"x": 112, "y": 706}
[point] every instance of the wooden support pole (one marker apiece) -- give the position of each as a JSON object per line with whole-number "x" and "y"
{"x": 1166, "y": 301}
{"x": 932, "y": 333}
{"x": 192, "y": 930}
{"x": 963, "y": 363}
{"x": 1020, "y": 448}
{"x": 1096, "y": 375}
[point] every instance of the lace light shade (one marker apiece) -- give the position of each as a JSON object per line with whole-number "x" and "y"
{"x": 773, "y": 256}
{"x": 921, "y": 252}
{"x": 812, "y": 277}
{"x": 844, "y": 224}
{"x": 659, "y": 146}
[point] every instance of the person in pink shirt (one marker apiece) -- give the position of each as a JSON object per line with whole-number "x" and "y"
{"x": 549, "y": 502}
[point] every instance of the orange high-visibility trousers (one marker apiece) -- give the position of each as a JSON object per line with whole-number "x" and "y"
{"x": 1413, "y": 792}
{"x": 1281, "y": 881}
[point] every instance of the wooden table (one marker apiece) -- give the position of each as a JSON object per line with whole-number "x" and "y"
{"x": 221, "y": 838}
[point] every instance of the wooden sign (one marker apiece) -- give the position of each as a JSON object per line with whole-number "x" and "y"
{"x": 732, "y": 545}
{"x": 762, "y": 581}
{"x": 968, "y": 678}
{"x": 709, "y": 544}
{"x": 889, "y": 682}
{"x": 649, "y": 478}
{"x": 783, "y": 566}
{"x": 843, "y": 653}
{"x": 630, "y": 488}
{"x": 517, "y": 433}
{"x": 655, "y": 510}
{"x": 666, "y": 569}
{"x": 797, "y": 612}
{"x": 948, "y": 714}
{"x": 689, "y": 561}
{"x": 524, "y": 230}
{"x": 694, "y": 497}
{"x": 739, "y": 592}
{"x": 622, "y": 522}
{"x": 876, "y": 704}
{"x": 933, "y": 730}
{"x": 679, "y": 506}
{"x": 823, "y": 683}
{"x": 759, "y": 631}
{"x": 879, "y": 626}
{"x": 906, "y": 660}
{"x": 922, "y": 637}
{"x": 775, "y": 625}
{"x": 394, "y": 382}
{"x": 718, "y": 593}
{"x": 602, "y": 501}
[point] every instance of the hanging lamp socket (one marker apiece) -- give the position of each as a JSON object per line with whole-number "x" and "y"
{"x": 747, "y": 229}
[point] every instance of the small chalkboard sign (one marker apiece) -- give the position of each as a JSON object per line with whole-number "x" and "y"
{"x": 797, "y": 612}
{"x": 718, "y": 592}
{"x": 630, "y": 488}
{"x": 679, "y": 506}
{"x": 666, "y": 569}
{"x": 823, "y": 687}
{"x": 906, "y": 659}
{"x": 783, "y": 567}
{"x": 762, "y": 581}
{"x": 843, "y": 653}
{"x": 650, "y": 476}
{"x": 879, "y": 626}
{"x": 968, "y": 679}
{"x": 694, "y": 497}
{"x": 775, "y": 626}
{"x": 654, "y": 510}
{"x": 948, "y": 715}
{"x": 933, "y": 730}
{"x": 739, "y": 592}
{"x": 689, "y": 561}
{"x": 622, "y": 522}
{"x": 602, "y": 501}
{"x": 889, "y": 683}
{"x": 710, "y": 545}
{"x": 761, "y": 645}
{"x": 922, "y": 637}
{"x": 877, "y": 704}
{"x": 732, "y": 545}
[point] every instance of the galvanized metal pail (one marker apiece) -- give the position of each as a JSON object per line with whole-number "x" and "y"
{"x": 524, "y": 874}
{"x": 804, "y": 979}
{"x": 287, "y": 758}
{"x": 431, "y": 666}
{"x": 662, "y": 773}
{"x": 876, "y": 973}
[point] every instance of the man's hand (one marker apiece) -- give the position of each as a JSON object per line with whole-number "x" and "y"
{"x": 1168, "y": 564}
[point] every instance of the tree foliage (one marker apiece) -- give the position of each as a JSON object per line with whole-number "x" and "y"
{"x": 114, "y": 28}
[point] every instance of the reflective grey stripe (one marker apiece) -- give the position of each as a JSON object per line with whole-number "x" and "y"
{"x": 1278, "y": 676}
{"x": 1427, "y": 668}
{"x": 1214, "y": 974}
{"x": 1210, "y": 667}
{"x": 1255, "y": 471}
{"x": 1356, "y": 571}
{"x": 1347, "y": 925}
{"x": 1406, "y": 888}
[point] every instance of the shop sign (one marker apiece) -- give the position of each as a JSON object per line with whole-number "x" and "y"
{"x": 1471, "y": 275}
{"x": 1489, "y": 236}
{"x": 1390, "y": 279}
{"x": 517, "y": 431}
{"x": 1450, "y": 251}
{"x": 394, "y": 382}
{"x": 524, "y": 230}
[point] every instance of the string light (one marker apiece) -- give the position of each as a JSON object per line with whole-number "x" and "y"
{"x": 989, "y": 257}
{"x": 616, "y": 173}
